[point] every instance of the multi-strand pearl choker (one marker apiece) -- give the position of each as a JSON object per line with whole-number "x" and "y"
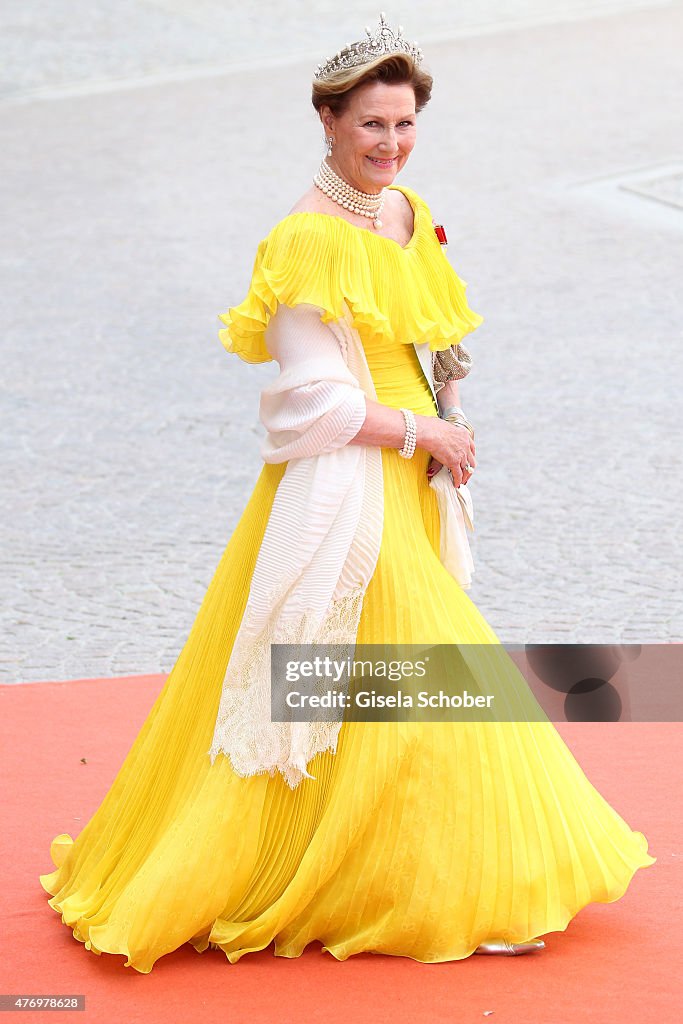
{"x": 364, "y": 203}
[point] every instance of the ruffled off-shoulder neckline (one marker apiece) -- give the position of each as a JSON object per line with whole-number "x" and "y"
{"x": 405, "y": 293}
{"x": 412, "y": 198}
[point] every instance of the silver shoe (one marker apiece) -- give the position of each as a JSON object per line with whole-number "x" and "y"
{"x": 502, "y": 946}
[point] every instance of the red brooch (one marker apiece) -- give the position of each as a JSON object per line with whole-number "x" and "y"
{"x": 441, "y": 233}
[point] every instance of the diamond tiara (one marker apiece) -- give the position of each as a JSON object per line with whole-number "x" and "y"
{"x": 384, "y": 41}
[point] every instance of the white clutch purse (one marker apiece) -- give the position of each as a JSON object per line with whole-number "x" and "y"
{"x": 456, "y": 512}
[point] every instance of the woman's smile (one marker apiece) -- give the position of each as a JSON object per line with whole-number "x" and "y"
{"x": 381, "y": 163}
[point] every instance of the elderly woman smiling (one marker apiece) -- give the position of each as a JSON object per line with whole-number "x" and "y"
{"x": 427, "y": 839}
{"x": 371, "y": 131}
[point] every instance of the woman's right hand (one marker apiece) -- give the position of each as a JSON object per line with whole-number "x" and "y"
{"x": 449, "y": 444}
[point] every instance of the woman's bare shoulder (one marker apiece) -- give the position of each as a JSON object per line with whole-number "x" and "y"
{"x": 312, "y": 201}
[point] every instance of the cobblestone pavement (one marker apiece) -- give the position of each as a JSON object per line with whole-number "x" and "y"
{"x": 130, "y": 440}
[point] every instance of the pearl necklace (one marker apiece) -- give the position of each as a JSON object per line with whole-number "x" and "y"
{"x": 364, "y": 203}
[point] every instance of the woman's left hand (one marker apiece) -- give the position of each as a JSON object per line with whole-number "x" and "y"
{"x": 434, "y": 467}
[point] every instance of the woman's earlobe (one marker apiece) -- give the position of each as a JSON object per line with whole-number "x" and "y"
{"x": 328, "y": 121}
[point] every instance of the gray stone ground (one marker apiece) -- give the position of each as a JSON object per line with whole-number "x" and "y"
{"x": 145, "y": 153}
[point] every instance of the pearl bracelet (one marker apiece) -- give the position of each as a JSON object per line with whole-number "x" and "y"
{"x": 410, "y": 440}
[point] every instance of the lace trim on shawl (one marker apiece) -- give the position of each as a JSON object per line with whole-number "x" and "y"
{"x": 244, "y": 730}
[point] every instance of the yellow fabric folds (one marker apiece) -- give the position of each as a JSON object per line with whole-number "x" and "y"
{"x": 402, "y": 293}
{"x": 416, "y": 839}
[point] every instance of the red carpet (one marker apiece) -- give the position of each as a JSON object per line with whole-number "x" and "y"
{"x": 62, "y": 744}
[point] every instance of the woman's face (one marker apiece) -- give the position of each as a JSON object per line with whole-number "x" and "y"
{"x": 375, "y": 135}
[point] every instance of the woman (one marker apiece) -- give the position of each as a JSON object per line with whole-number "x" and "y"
{"x": 426, "y": 839}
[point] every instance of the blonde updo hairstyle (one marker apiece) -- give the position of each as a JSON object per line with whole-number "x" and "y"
{"x": 395, "y": 68}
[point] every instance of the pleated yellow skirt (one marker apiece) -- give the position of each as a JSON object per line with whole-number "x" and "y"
{"x": 415, "y": 839}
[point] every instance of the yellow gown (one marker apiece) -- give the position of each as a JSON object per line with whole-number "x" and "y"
{"x": 413, "y": 839}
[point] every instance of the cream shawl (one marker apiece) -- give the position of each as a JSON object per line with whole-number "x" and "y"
{"x": 323, "y": 536}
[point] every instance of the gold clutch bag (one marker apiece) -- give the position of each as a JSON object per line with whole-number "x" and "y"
{"x": 451, "y": 364}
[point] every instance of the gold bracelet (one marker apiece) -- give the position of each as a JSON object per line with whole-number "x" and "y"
{"x": 458, "y": 421}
